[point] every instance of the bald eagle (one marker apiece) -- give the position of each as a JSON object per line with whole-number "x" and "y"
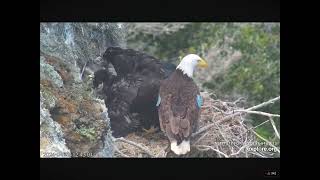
{"x": 179, "y": 104}
{"x": 131, "y": 81}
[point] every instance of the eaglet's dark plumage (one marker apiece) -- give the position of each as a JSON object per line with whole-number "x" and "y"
{"x": 131, "y": 91}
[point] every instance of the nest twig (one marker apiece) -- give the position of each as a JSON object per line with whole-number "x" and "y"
{"x": 222, "y": 131}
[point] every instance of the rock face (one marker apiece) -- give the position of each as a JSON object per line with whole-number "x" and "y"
{"x": 52, "y": 143}
{"x": 73, "y": 122}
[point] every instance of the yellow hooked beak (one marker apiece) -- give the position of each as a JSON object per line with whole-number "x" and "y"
{"x": 202, "y": 63}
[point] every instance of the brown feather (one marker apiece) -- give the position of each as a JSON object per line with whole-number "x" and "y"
{"x": 178, "y": 112}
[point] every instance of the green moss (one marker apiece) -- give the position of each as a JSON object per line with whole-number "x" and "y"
{"x": 87, "y": 132}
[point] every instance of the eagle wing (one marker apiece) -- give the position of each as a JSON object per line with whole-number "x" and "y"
{"x": 178, "y": 111}
{"x": 118, "y": 101}
{"x": 130, "y": 103}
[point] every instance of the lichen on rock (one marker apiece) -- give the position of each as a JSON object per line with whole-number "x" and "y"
{"x": 47, "y": 72}
{"x": 47, "y": 98}
{"x": 52, "y": 143}
{"x": 83, "y": 120}
{"x": 71, "y": 119}
{"x": 108, "y": 145}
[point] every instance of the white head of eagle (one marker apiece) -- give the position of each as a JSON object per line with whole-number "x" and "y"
{"x": 189, "y": 62}
{"x": 179, "y": 104}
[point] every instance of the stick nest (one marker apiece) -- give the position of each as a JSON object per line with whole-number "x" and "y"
{"x": 226, "y": 138}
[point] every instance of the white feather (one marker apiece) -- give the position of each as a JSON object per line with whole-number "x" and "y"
{"x": 182, "y": 148}
{"x": 188, "y": 64}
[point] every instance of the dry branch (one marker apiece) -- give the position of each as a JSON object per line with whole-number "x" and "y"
{"x": 226, "y": 118}
{"x": 256, "y": 126}
{"x": 136, "y": 145}
{"x": 209, "y": 147}
{"x": 83, "y": 68}
{"x": 271, "y": 101}
{"x": 257, "y": 112}
{"x": 118, "y": 151}
{"x": 265, "y": 140}
{"x": 233, "y": 154}
{"x": 274, "y": 127}
{"x": 201, "y": 138}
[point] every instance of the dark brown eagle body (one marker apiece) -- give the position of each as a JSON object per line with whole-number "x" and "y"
{"x": 131, "y": 81}
{"x": 178, "y": 110}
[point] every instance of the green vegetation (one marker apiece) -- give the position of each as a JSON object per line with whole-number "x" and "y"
{"x": 87, "y": 132}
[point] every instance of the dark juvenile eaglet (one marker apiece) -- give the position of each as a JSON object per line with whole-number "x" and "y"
{"x": 131, "y": 81}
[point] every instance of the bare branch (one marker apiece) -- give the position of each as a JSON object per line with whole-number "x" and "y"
{"x": 223, "y": 136}
{"x": 274, "y": 127}
{"x": 209, "y": 147}
{"x": 226, "y": 118}
{"x": 204, "y": 135}
{"x": 161, "y": 154}
{"x": 83, "y": 68}
{"x": 219, "y": 110}
{"x": 257, "y": 112}
{"x": 238, "y": 100}
{"x": 256, "y": 126}
{"x": 136, "y": 145}
{"x": 233, "y": 154}
{"x": 118, "y": 151}
{"x": 257, "y": 154}
{"x": 265, "y": 140}
{"x": 271, "y": 101}
{"x": 230, "y": 103}
{"x": 205, "y": 128}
